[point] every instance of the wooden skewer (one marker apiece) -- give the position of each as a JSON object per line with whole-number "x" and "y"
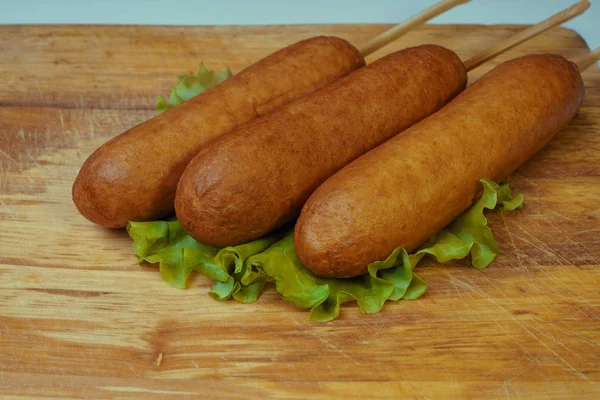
{"x": 588, "y": 60}
{"x": 395, "y": 32}
{"x": 526, "y": 34}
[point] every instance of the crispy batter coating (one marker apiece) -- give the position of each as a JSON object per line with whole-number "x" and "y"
{"x": 412, "y": 186}
{"x": 133, "y": 176}
{"x": 256, "y": 178}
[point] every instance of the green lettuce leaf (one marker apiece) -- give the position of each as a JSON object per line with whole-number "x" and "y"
{"x": 166, "y": 243}
{"x": 469, "y": 233}
{"x": 232, "y": 261}
{"x": 189, "y": 86}
{"x": 242, "y": 272}
{"x": 177, "y": 253}
{"x": 298, "y": 285}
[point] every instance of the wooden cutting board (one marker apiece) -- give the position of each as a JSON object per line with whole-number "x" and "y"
{"x": 79, "y": 318}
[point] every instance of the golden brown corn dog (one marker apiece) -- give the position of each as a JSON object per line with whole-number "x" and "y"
{"x": 235, "y": 191}
{"x": 134, "y": 175}
{"x": 409, "y": 188}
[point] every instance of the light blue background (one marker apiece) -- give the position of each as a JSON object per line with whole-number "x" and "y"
{"x": 251, "y": 12}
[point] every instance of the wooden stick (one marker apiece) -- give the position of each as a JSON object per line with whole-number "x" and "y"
{"x": 395, "y": 32}
{"x": 526, "y": 34}
{"x": 588, "y": 60}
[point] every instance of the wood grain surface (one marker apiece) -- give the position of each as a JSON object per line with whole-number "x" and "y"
{"x": 80, "y": 319}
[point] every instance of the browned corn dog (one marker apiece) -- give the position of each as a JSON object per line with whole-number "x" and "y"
{"x": 134, "y": 175}
{"x": 410, "y": 187}
{"x": 257, "y": 177}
